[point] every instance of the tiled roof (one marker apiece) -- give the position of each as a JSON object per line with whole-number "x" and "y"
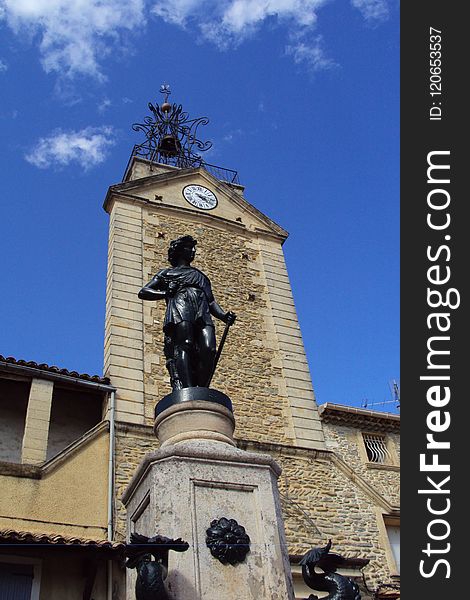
{"x": 53, "y": 369}
{"x": 10, "y": 536}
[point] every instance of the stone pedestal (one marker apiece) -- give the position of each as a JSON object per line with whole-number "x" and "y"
{"x": 181, "y": 488}
{"x": 194, "y": 413}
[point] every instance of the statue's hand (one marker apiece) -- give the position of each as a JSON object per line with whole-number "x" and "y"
{"x": 229, "y": 317}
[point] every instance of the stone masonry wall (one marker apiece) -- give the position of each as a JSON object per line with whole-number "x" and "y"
{"x": 320, "y": 503}
{"x": 347, "y": 443}
{"x": 133, "y": 442}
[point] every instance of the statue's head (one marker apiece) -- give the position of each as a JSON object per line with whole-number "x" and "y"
{"x": 183, "y": 246}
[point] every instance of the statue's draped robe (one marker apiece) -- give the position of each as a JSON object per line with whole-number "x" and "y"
{"x": 189, "y": 296}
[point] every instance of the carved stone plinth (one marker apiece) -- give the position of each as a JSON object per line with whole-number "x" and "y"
{"x": 194, "y": 413}
{"x": 182, "y": 488}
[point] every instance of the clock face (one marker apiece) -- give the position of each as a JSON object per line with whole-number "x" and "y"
{"x": 200, "y": 197}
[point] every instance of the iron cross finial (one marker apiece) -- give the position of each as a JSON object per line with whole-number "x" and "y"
{"x": 165, "y": 89}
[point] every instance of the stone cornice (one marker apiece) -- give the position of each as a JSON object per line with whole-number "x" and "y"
{"x": 359, "y": 417}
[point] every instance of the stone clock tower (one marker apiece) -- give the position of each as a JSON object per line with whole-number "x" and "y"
{"x": 168, "y": 191}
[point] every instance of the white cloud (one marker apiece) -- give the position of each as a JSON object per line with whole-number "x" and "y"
{"x": 310, "y": 54}
{"x": 3, "y": 66}
{"x": 87, "y": 147}
{"x": 372, "y": 10}
{"x": 228, "y": 22}
{"x": 104, "y": 104}
{"x": 74, "y": 35}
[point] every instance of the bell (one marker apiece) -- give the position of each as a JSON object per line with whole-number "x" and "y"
{"x": 169, "y": 146}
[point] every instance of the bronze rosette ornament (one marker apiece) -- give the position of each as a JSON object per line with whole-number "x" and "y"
{"x": 228, "y": 541}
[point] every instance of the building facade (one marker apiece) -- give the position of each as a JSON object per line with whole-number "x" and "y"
{"x": 73, "y": 441}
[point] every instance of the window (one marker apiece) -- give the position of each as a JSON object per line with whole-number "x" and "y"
{"x": 392, "y": 527}
{"x": 20, "y": 578}
{"x": 393, "y": 532}
{"x": 376, "y": 448}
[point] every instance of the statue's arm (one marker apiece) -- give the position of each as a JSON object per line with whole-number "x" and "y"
{"x": 217, "y": 312}
{"x": 153, "y": 290}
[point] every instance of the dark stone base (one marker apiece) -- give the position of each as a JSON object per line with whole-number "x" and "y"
{"x": 190, "y": 395}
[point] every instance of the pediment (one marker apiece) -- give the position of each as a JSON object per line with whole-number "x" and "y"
{"x": 165, "y": 189}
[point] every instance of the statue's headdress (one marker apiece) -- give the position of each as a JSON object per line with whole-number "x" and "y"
{"x": 186, "y": 241}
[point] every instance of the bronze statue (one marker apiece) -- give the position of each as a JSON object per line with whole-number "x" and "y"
{"x": 189, "y": 346}
{"x": 338, "y": 586}
{"x": 151, "y": 574}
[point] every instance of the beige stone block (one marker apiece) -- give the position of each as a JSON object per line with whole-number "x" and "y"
{"x": 269, "y": 276}
{"x": 121, "y": 291}
{"x": 284, "y": 312}
{"x": 125, "y": 385}
{"x": 127, "y": 362}
{"x": 129, "y": 314}
{"x": 130, "y": 406}
{"x": 309, "y": 421}
{"x": 125, "y": 332}
{"x": 124, "y": 219}
{"x": 296, "y": 374}
{"x": 125, "y": 353}
{"x": 127, "y": 211}
{"x": 130, "y": 417}
{"x": 39, "y": 430}
{"x": 127, "y": 206}
{"x": 33, "y": 457}
{"x": 299, "y": 394}
{"x": 304, "y": 413}
{"x": 125, "y": 304}
{"x": 287, "y": 321}
{"x": 291, "y": 345}
{"x": 149, "y": 239}
{"x": 130, "y": 395}
{"x": 279, "y": 300}
{"x": 310, "y": 432}
{"x": 124, "y": 231}
{"x": 39, "y": 414}
{"x": 298, "y": 362}
{"x": 150, "y": 360}
{"x": 120, "y": 321}
{"x": 134, "y": 374}
{"x": 318, "y": 444}
{"x": 291, "y": 330}
{"x": 317, "y": 441}
{"x": 120, "y": 341}
{"x": 273, "y": 273}
{"x": 34, "y": 443}
{"x": 125, "y": 329}
{"x": 303, "y": 403}
{"x": 126, "y": 244}
{"x": 136, "y": 275}
{"x": 133, "y": 285}
{"x": 130, "y": 265}
{"x": 126, "y": 252}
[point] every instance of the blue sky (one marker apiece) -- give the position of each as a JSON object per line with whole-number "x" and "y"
{"x": 303, "y": 100}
